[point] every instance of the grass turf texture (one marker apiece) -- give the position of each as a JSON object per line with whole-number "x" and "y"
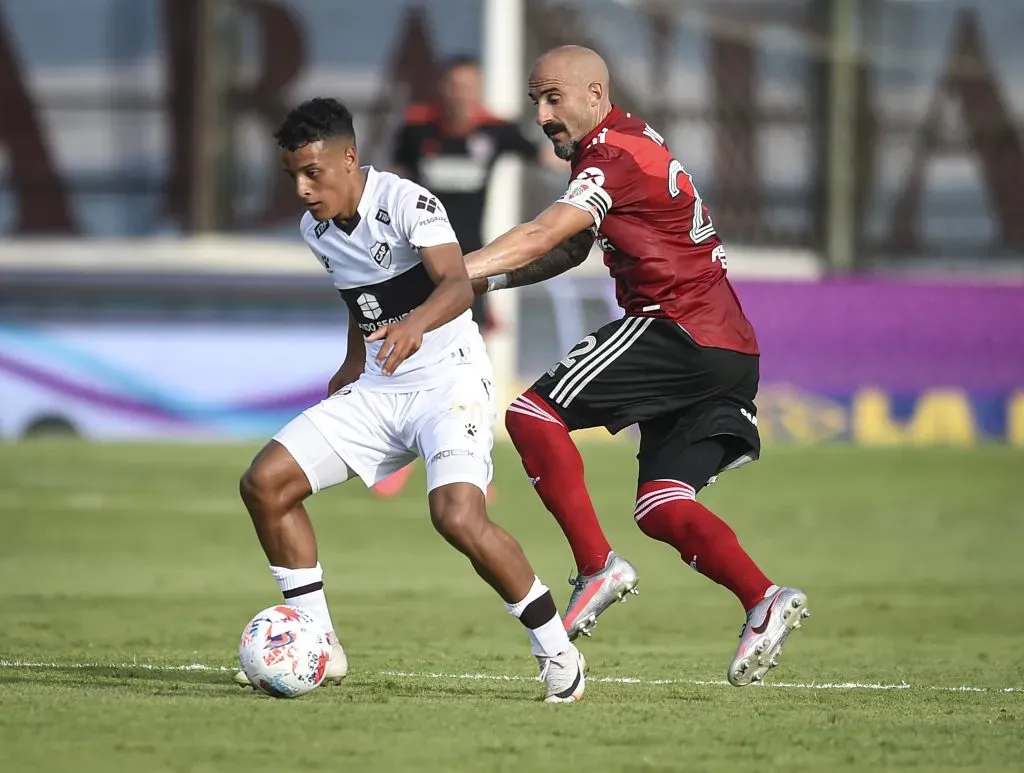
{"x": 143, "y": 554}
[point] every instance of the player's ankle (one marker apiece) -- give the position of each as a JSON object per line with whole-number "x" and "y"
{"x": 304, "y": 589}
{"x": 593, "y": 562}
{"x": 537, "y": 612}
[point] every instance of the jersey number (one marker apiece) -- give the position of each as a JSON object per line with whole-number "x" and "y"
{"x": 702, "y": 229}
{"x": 581, "y": 349}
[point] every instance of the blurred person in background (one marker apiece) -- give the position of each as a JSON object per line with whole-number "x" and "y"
{"x": 451, "y": 147}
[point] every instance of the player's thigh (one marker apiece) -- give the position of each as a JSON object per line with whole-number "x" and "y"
{"x": 695, "y": 446}
{"x": 310, "y": 451}
{"x": 452, "y": 428}
{"x": 596, "y": 378}
{"x": 349, "y": 434}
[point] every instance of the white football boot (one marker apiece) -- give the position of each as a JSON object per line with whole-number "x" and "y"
{"x": 564, "y": 676}
{"x": 768, "y": 625}
{"x": 596, "y": 592}
{"x": 337, "y": 666}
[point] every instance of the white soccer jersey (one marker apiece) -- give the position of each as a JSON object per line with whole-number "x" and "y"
{"x": 376, "y": 266}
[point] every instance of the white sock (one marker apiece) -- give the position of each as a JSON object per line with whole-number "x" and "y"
{"x": 538, "y": 613}
{"x": 304, "y": 589}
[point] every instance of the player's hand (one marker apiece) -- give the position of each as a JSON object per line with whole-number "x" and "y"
{"x": 401, "y": 341}
{"x": 347, "y": 373}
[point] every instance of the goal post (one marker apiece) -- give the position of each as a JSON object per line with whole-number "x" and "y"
{"x": 503, "y": 69}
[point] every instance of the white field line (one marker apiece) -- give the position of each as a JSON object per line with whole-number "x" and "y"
{"x": 24, "y": 664}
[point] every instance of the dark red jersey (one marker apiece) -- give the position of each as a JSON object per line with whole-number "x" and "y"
{"x": 658, "y": 239}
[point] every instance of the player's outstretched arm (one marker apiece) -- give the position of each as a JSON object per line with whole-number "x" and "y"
{"x": 565, "y": 256}
{"x": 452, "y": 296}
{"x": 528, "y": 242}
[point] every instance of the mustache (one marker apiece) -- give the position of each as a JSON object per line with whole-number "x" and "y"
{"x": 554, "y": 127}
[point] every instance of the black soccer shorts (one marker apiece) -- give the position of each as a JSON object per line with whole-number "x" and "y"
{"x": 650, "y": 372}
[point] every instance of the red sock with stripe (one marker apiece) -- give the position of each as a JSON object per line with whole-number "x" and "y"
{"x": 668, "y": 511}
{"x": 555, "y": 468}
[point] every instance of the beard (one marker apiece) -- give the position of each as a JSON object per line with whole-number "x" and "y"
{"x": 564, "y": 150}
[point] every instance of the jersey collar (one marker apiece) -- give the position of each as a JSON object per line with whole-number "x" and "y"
{"x": 585, "y": 142}
{"x": 369, "y": 190}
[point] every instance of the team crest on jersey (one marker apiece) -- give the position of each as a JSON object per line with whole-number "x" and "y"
{"x": 592, "y": 173}
{"x": 381, "y": 254}
{"x": 383, "y": 217}
{"x": 322, "y": 226}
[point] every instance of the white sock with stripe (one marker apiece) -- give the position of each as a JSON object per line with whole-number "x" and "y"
{"x": 304, "y": 589}
{"x": 538, "y": 614}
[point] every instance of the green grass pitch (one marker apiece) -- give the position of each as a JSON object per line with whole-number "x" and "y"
{"x": 121, "y": 564}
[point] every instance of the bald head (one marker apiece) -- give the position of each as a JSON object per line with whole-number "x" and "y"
{"x": 569, "y": 85}
{"x": 573, "y": 64}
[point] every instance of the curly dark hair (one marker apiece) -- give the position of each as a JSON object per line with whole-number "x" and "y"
{"x": 322, "y": 118}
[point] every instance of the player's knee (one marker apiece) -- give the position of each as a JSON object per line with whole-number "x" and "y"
{"x": 256, "y": 487}
{"x": 513, "y": 422}
{"x": 269, "y": 485}
{"x": 457, "y": 512}
{"x": 530, "y": 420}
{"x": 520, "y": 427}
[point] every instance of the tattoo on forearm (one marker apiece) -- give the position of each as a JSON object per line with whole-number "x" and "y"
{"x": 566, "y": 255}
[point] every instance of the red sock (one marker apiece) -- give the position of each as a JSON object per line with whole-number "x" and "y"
{"x": 667, "y": 511}
{"x": 555, "y": 468}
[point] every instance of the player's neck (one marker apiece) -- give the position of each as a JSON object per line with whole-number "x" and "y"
{"x": 352, "y": 206}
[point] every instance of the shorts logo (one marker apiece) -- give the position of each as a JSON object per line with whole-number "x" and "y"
{"x": 369, "y": 306}
{"x": 322, "y": 227}
{"x": 749, "y": 416}
{"x": 428, "y": 203}
{"x": 450, "y": 453}
{"x": 383, "y": 217}
{"x": 471, "y": 430}
{"x": 381, "y": 254}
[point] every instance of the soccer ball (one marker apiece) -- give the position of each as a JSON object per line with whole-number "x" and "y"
{"x": 284, "y": 652}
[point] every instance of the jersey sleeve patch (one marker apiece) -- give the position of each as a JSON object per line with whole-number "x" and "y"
{"x": 588, "y": 195}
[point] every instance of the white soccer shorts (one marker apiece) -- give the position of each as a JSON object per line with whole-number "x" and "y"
{"x": 360, "y": 431}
